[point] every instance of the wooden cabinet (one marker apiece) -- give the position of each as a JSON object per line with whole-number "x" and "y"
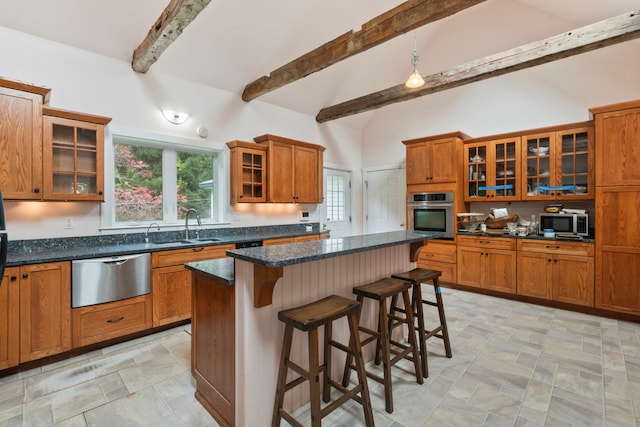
{"x": 558, "y": 165}
{"x": 248, "y": 172}
{"x": 558, "y": 271}
{"x": 617, "y": 130}
{"x": 618, "y": 248}
{"x": 434, "y": 160}
{"x": 171, "y": 281}
{"x": 488, "y": 263}
{"x": 285, "y": 240}
{"x": 439, "y": 256}
{"x": 97, "y": 323}
{"x": 492, "y": 170}
{"x": 294, "y": 170}
{"x": 21, "y": 140}
{"x": 73, "y": 153}
{"x": 9, "y": 318}
{"x": 45, "y": 310}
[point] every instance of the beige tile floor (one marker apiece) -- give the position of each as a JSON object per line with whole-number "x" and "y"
{"x": 514, "y": 364}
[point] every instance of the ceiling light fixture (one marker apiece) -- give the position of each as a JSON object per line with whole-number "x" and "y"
{"x": 415, "y": 80}
{"x": 175, "y": 117}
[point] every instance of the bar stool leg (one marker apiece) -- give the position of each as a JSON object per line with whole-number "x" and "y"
{"x": 282, "y": 375}
{"x": 314, "y": 378}
{"x": 386, "y": 356}
{"x": 349, "y": 361}
{"x": 354, "y": 344}
{"x": 411, "y": 327}
{"x": 326, "y": 390}
{"x": 416, "y": 300}
{"x": 443, "y": 320}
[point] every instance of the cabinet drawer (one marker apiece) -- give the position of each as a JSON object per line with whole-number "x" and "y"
{"x": 565, "y": 248}
{"x": 105, "y": 321}
{"x": 282, "y": 241}
{"x": 487, "y": 242}
{"x": 306, "y": 238}
{"x": 181, "y": 256}
{"x": 437, "y": 252}
{"x": 448, "y": 270}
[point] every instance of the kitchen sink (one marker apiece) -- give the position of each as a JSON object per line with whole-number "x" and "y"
{"x": 185, "y": 241}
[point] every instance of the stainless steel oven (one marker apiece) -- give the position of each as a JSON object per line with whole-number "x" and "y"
{"x": 431, "y": 212}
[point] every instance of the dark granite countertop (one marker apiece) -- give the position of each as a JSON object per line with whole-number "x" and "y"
{"x": 67, "y": 249}
{"x": 588, "y": 239}
{"x": 221, "y": 269}
{"x": 296, "y": 253}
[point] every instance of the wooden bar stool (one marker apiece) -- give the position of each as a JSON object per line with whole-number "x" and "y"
{"x": 416, "y": 277}
{"x": 309, "y": 318}
{"x": 380, "y": 291}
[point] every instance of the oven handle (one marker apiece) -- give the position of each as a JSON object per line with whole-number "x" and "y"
{"x": 429, "y": 205}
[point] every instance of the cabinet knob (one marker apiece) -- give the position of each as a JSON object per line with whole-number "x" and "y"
{"x": 36, "y": 190}
{"x": 99, "y": 193}
{"x": 241, "y": 196}
{"x": 13, "y": 278}
{"x": 25, "y": 275}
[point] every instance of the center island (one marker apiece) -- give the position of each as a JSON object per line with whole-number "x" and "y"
{"x": 236, "y": 334}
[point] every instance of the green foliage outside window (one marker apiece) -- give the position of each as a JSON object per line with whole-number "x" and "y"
{"x": 139, "y": 180}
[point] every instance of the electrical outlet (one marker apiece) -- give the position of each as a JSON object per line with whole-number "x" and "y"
{"x": 68, "y": 223}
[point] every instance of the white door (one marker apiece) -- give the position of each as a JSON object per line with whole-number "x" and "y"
{"x": 335, "y": 212}
{"x": 385, "y": 200}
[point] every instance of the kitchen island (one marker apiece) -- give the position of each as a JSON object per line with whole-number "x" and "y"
{"x": 236, "y": 334}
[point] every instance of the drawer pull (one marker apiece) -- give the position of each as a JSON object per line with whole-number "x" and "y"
{"x": 198, "y": 249}
{"x": 115, "y": 320}
{"x": 553, "y": 247}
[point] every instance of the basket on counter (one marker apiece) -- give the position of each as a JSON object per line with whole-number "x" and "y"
{"x": 501, "y": 222}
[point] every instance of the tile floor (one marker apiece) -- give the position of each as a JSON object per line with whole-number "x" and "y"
{"x": 513, "y": 364}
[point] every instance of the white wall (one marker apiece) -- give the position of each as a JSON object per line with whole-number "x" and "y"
{"x": 86, "y": 82}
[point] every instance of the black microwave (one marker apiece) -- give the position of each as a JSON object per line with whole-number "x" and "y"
{"x": 576, "y": 224}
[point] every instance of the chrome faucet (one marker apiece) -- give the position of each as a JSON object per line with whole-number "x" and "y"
{"x": 186, "y": 224}
{"x": 146, "y": 235}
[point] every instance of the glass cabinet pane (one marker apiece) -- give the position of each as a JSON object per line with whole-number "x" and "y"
{"x": 477, "y": 169}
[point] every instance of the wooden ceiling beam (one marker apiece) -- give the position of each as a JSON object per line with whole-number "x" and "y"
{"x": 399, "y": 20}
{"x": 174, "y": 19}
{"x": 595, "y": 36}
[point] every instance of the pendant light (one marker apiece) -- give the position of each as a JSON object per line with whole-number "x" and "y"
{"x": 415, "y": 80}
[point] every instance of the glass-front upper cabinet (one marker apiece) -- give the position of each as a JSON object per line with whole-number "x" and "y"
{"x": 492, "y": 170}
{"x": 73, "y": 154}
{"x": 558, "y": 165}
{"x": 248, "y": 172}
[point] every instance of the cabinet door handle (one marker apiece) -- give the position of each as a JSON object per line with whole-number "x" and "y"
{"x": 115, "y": 320}
{"x": 36, "y": 190}
{"x": 25, "y": 275}
{"x": 99, "y": 193}
{"x": 13, "y": 278}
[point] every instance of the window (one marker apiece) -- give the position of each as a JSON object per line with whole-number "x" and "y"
{"x": 336, "y": 198}
{"x": 155, "y": 181}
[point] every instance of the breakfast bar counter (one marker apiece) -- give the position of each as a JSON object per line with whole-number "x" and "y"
{"x": 236, "y": 334}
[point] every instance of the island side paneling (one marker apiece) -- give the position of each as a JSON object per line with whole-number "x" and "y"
{"x": 259, "y": 332}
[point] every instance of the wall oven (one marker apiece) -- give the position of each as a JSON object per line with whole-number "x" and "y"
{"x": 431, "y": 212}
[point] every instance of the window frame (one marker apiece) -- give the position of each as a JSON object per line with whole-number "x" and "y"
{"x": 173, "y": 143}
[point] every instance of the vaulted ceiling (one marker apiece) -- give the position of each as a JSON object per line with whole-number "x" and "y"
{"x": 231, "y": 43}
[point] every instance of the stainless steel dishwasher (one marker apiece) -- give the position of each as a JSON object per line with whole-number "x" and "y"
{"x": 99, "y": 280}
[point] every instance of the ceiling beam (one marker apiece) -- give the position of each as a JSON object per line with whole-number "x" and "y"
{"x": 601, "y": 34}
{"x": 173, "y": 20}
{"x": 405, "y": 17}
